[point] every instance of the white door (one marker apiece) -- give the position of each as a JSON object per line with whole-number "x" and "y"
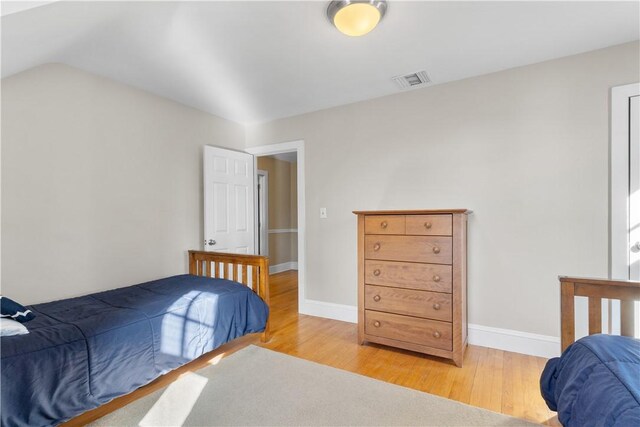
{"x": 229, "y": 182}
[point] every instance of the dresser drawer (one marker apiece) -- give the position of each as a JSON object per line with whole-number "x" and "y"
{"x": 429, "y": 249}
{"x": 409, "y": 275}
{"x": 431, "y": 305}
{"x": 429, "y": 225}
{"x": 431, "y": 333}
{"x": 384, "y": 224}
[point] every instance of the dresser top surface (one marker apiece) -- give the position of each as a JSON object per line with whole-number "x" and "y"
{"x": 415, "y": 212}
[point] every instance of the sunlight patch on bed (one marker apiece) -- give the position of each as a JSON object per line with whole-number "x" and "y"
{"x": 175, "y": 404}
{"x": 187, "y": 327}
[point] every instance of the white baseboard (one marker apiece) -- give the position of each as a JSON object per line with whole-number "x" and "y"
{"x": 514, "y": 341}
{"x": 484, "y": 336}
{"x": 285, "y": 266}
{"x": 329, "y": 310}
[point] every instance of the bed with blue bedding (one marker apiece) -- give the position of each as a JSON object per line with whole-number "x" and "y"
{"x": 596, "y": 382}
{"x": 83, "y": 352}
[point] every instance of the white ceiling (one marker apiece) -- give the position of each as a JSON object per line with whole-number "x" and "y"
{"x": 257, "y": 61}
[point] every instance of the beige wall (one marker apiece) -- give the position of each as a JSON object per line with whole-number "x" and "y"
{"x": 282, "y": 209}
{"x": 101, "y": 183}
{"x": 526, "y": 149}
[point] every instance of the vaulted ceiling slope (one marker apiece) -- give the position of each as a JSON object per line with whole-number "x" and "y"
{"x": 257, "y": 61}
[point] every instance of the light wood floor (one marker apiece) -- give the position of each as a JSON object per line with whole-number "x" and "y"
{"x": 493, "y": 379}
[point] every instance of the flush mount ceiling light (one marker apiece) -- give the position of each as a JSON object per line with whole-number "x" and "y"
{"x": 356, "y": 18}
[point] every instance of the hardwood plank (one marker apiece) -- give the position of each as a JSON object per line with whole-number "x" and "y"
{"x": 465, "y": 376}
{"x": 513, "y": 402}
{"x": 488, "y": 377}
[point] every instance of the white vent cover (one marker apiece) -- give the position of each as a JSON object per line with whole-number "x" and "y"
{"x": 412, "y": 80}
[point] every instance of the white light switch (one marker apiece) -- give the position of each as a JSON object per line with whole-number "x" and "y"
{"x": 323, "y": 212}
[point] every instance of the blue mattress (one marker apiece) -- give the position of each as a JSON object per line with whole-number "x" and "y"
{"x": 596, "y": 382}
{"x": 83, "y": 352}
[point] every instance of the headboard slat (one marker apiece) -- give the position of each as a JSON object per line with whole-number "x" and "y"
{"x": 259, "y": 269}
{"x": 595, "y": 315}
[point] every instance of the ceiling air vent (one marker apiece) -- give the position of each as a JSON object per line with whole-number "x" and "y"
{"x": 412, "y": 80}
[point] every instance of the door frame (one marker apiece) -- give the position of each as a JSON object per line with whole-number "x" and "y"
{"x": 298, "y": 148}
{"x": 619, "y": 244}
{"x": 619, "y": 193}
{"x": 263, "y": 211}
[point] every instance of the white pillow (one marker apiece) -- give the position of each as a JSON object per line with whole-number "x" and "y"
{"x": 9, "y": 327}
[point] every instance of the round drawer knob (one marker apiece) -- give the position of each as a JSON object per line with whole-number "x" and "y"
{"x": 436, "y": 306}
{"x": 427, "y": 225}
{"x": 376, "y": 298}
{"x": 376, "y": 324}
{"x": 376, "y": 272}
{"x": 436, "y": 250}
{"x": 376, "y": 247}
{"x": 436, "y": 334}
{"x": 436, "y": 278}
{"x": 383, "y": 224}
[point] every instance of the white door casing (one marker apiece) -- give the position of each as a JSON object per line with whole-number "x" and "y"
{"x": 634, "y": 204}
{"x": 304, "y": 306}
{"x": 624, "y": 196}
{"x": 263, "y": 212}
{"x": 634, "y": 188}
{"x": 229, "y": 200}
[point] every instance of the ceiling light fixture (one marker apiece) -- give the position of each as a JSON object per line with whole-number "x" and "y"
{"x": 356, "y": 17}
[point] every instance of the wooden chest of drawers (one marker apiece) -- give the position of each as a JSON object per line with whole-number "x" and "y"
{"x": 412, "y": 280}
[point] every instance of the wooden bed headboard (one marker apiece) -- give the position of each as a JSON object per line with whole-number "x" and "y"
{"x": 595, "y": 289}
{"x": 250, "y": 270}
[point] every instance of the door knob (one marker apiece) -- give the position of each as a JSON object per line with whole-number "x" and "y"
{"x": 635, "y": 247}
{"x": 211, "y": 242}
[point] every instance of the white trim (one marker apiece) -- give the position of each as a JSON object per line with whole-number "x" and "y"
{"x": 285, "y": 266}
{"x": 514, "y": 341}
{"x": 484, "y": 336}
{"x": 619, "y": 222}
{"x": 298, "y": 147}
{"x": 329, "y": 310}
{"x": 263, "y": 223}
{"x": 282, "y": 230}
{"x": 619, "y": 196}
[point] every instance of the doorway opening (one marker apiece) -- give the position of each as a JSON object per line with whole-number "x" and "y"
{"x": 624, "y": 316}
{"x": 278, "y": 220}
{"x": 280, "y": 200}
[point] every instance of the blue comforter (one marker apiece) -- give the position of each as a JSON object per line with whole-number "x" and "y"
{"x": 596, "y": 382}
{"x": 83, "y": 352}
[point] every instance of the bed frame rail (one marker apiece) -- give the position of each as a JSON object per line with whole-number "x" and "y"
{"x": 596, "y": 289}
{"x": 250, "y": 270}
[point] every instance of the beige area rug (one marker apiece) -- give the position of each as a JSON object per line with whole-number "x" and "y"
{"x": 259, "y": 387}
